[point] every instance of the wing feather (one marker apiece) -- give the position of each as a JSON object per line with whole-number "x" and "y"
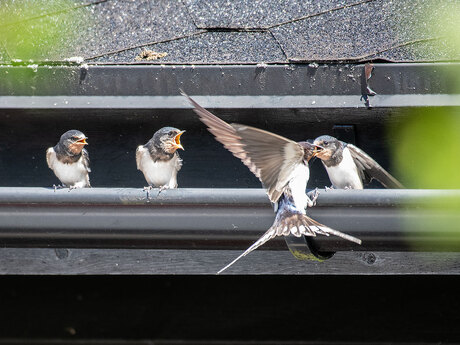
{"x": 50, "y": 157}
{"x": 367, "y": 166}
{"x": 139, "y": 152}
{"x": 270, "y": 157}
{"x": 85, "y": 156}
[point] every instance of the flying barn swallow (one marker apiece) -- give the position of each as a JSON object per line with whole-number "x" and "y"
{"x": 282, "y": 167}
{"x": 69, "y": 160}
{"x": 350, "y": 167}
{"x": 159, "y": 160}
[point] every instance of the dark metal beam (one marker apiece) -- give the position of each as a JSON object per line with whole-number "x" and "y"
{"x": 248, "y": 86}
{"x": 386, "y": 220}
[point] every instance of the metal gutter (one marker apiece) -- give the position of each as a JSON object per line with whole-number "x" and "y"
{"x": 217, "y": 219}
{"x": 229, "y": 86}
{"x": 224, "y": 102}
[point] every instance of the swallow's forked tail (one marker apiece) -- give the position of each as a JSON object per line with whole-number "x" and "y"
{"x": 297, "y": 224}
{"x": 269, "y": 234}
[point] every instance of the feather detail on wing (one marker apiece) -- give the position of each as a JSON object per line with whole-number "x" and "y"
{"x": 85, "y": 156}
{"x": 139, "y": 152}
{"x": 369, "y": 169}
{"x": 50, "y": 157}
{"x": 272, "y": 158}
{"x": 179, "y": 162}
{"x": 291, "y": 221}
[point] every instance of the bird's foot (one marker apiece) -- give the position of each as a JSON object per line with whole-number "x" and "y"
{"x": 313, "y": 196}
{"x": 326, "y": 188}
{"x": 72, "y": 187}
{"x": 162, "y": 188}
{"x": 147, "y": 190}
{"x": 56, "y": 187}
{"x": 348, "y": 187}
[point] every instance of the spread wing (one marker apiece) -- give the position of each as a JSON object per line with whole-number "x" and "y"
{"x": 85, "y": 156}
{"x": 369, "y": 169}
{"x": 50, "y": 157}
{"x": 272, "y": 158}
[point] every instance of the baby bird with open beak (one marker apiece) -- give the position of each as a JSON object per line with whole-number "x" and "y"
{"x": 69, "y": 160}
{"x": 349, "y": 167}
{"x": 159, "y": 159}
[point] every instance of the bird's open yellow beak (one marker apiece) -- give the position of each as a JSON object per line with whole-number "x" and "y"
{"x": 317, "y": 149}
{"x": 177, "y": 143}
{"x": 83, "y": 141}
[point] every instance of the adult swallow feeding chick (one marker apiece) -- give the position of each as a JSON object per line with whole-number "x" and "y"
{"x": 69, "y": 160}
{"x": 282, "y": 167}
{"x": 159, "y": 160}
{"x": 350, "y": 167}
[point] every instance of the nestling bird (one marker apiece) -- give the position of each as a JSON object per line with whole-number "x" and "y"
{"x": 282, "y": 167}
{"x": 159, "y": 159}
{"x": 69, "y": 160}
{"x": 350, "y": 167}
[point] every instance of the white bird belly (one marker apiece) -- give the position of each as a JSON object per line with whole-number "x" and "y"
{"x": 345, "y": 174}
{"x": 73, "y": 174}
{"x": 158, "y": 173}
{"x": 298, "y": 186}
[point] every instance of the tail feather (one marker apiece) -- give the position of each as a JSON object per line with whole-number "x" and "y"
{"x": 325, "y": 230}
{"x": 297, "y": 224}
{"x": 269, "y": 234}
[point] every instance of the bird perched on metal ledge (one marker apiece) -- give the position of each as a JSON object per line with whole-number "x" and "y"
{"x": 69, "y": 160}
{"x": 282, "y": 167}
{"x": 159, "y": 160}
{"x": 349, "y": 167}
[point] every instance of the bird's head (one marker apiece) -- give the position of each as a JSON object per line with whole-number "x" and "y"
{"x": 168, "y": 139}
{"x": 310, "y": 150}
{"x": 330, "y": 146}
{"x": 73, "y": 141}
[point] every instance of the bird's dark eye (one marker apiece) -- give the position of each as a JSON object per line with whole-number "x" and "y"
{"x": 171, "y": 133}
{"x": 325, "y": 143}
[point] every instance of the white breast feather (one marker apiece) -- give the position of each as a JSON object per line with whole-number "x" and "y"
{"x": 345, "y": 174}
{"x": 298, "y": 186}
{"x": 73, "y": 174}
{"x": 158, "y": 173}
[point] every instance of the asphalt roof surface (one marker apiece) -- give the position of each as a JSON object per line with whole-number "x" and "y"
{"x": 227, "y": 31}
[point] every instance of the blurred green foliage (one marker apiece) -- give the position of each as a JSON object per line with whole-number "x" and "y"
{"x": 426, "y": 148}
{"x": 41, "y": 29}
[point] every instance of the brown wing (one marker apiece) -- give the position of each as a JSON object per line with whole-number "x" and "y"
{"x": 367, "y": 166}
{"x": 139, "y": 152}
{"x": 50, "y": 157}
{"x": 270, "y": 157}
{"x": 86, "y": 160}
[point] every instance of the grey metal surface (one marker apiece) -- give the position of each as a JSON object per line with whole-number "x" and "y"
{"x": 386, "y": 220}
{"x": 251, "y": 86}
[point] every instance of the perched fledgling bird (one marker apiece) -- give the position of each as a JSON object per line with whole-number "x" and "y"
{"x": 282, "y": 167}
{"x": 159, "y": 159}
{"x": 350, "y": 167}
{"x": 69, "y": 160}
